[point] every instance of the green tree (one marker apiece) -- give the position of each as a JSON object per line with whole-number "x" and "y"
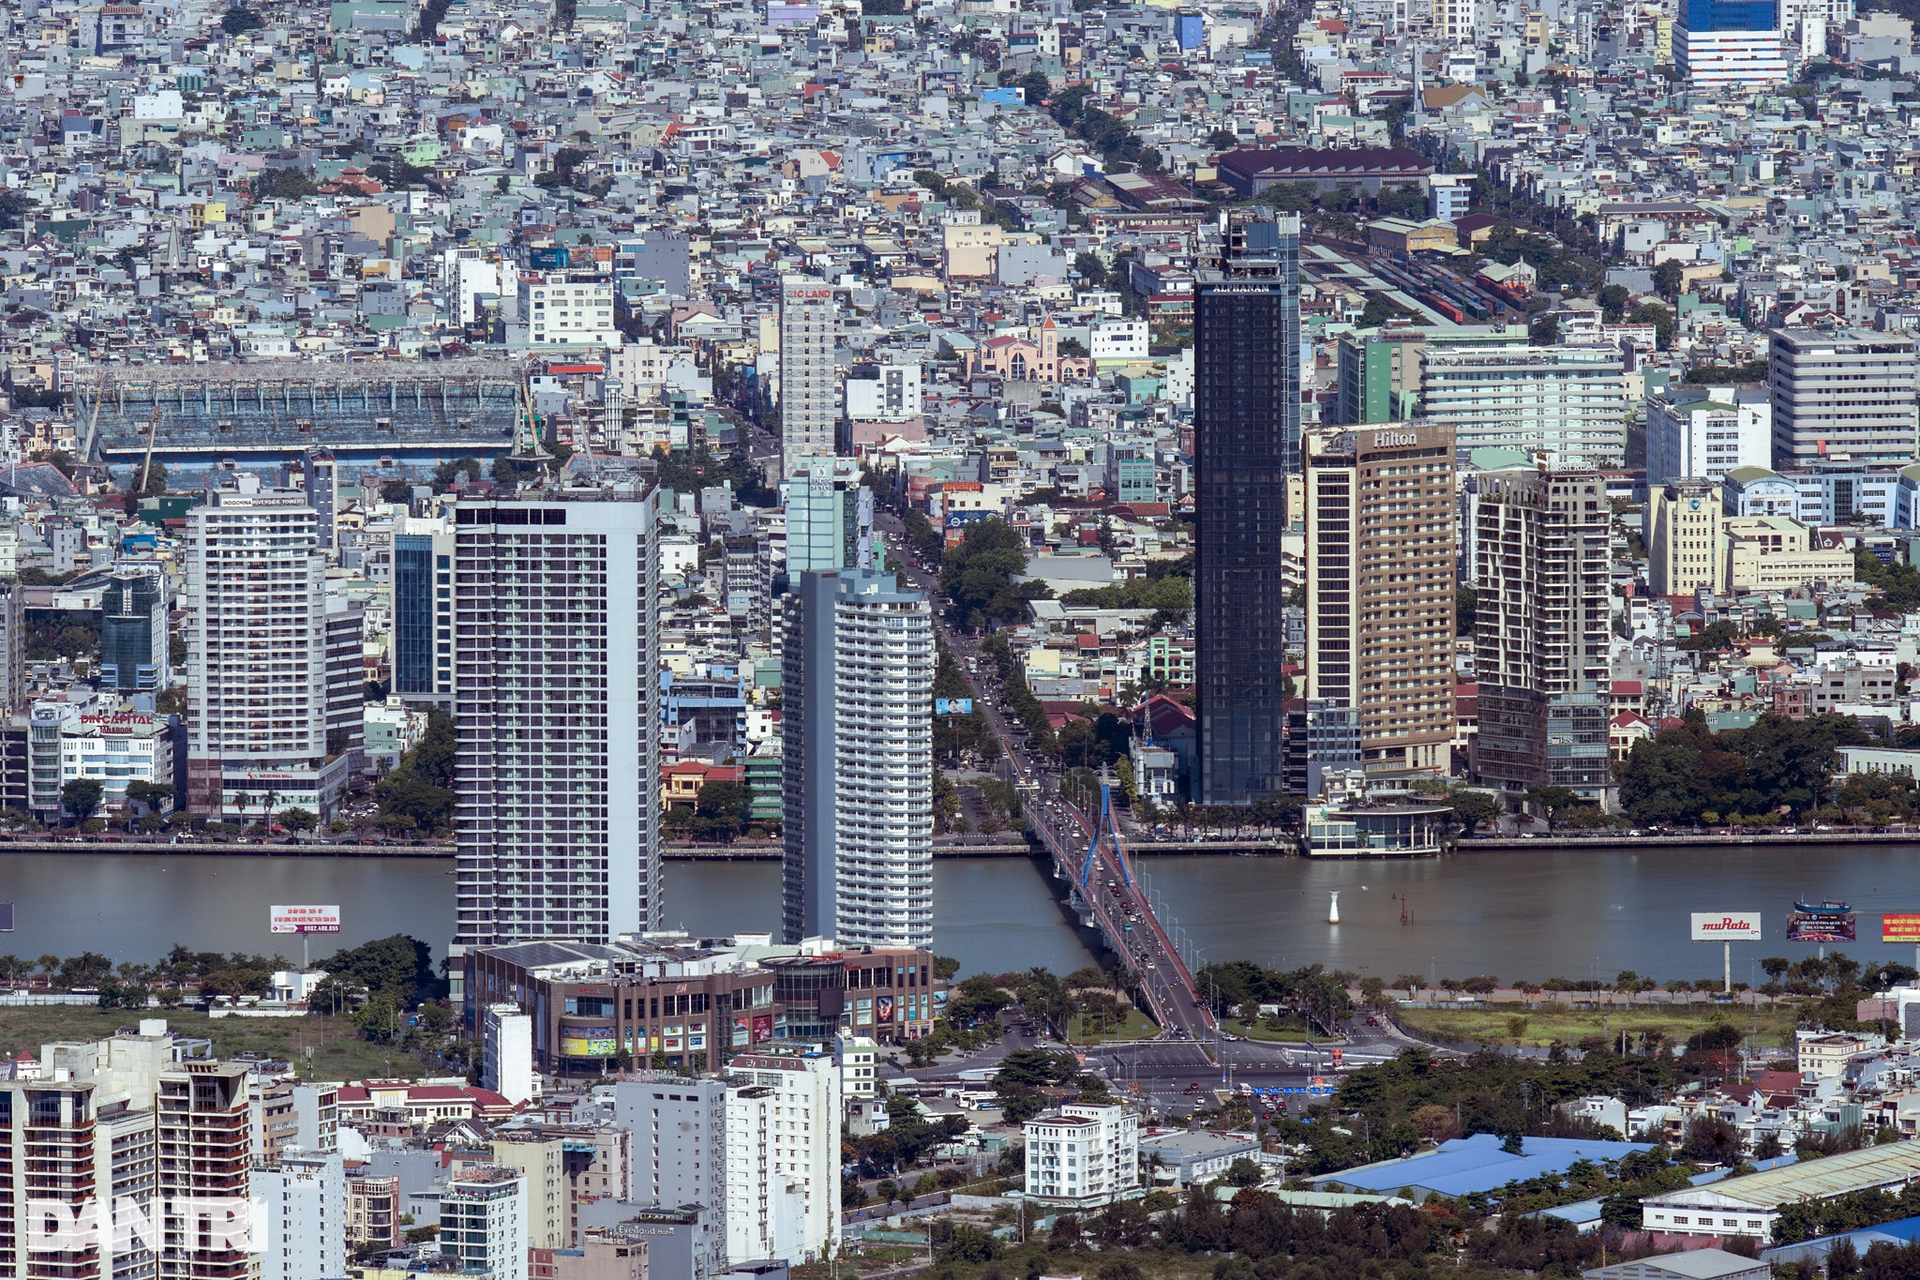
{"x": 1243, "y": 1173}
{"x": 977, "y": 576}
{"x": 1088, "y": 266}
{"x": 1686, "y": 771}
{"x": 301, "y": 820}
{"x": 81, "y": 796}
{"x": 1659, "y": 317}
{"x": 239, "y": 21}
{"x": 1899, "y": 582}
{"x": 1669, "y": 278}
{"x": 1555, "y": 801}
{"x": 722, "y": 809}
{"x": 283, "y": 184}
{"x": 1471, "y": 809}
{"x": 155, "y": 795}
{"x": 1613, "y": 300}
{"x": 418, "y": 796}
{"x": 398, "y": 967}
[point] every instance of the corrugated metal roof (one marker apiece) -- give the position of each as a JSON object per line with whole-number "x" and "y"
{"x": 1813, "y": 1179}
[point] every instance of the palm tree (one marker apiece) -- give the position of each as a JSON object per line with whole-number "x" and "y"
{"x": 49, "y": 965}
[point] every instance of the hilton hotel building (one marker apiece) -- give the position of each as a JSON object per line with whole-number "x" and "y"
{"x": 1380, "y": 581}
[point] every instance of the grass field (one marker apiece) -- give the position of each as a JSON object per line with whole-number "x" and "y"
{"x": 338, "y": 1052}
{"x": 1138, "y": 1026}
{"x": 1259, "y": 1030}
{"x": 1545, "y": 1024}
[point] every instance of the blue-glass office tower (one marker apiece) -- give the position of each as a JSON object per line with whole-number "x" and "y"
{"x": 1246, "y": 443}
{"x": 133, "y": 628}
{"x": 423, "y": 616}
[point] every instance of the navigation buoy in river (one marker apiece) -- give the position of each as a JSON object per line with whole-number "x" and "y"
{"x": 1333, "y": 909}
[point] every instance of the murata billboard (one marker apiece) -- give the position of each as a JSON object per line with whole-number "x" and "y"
{"x": 1726, "y": 926}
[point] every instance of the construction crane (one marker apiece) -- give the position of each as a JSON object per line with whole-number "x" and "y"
{"x": 84, "y": 464}
{"x": 526, "y": 444}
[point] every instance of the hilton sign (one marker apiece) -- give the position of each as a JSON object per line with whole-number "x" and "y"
{"x": 1395, "y": 439}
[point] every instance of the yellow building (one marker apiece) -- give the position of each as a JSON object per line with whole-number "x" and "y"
{"x": 971, "y": 251}
{"x": 1682, "y": 531}
{"x": 1400, "y": 235}
{"x": 1775, "y": 552}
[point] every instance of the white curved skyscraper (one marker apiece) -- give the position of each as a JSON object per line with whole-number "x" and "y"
{"x": 857, "y": 741}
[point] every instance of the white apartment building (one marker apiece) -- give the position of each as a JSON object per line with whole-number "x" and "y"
{"x": 483, "y": 1225}
{"x": 555, "y": 654}
{"x": 1456, "y": 20}
{"x": 808, "y": 396}
{"x": 857, "y": 761}
{"x": 1568, "y": 400}
{"x": 1842, "y": 395}
{"x": 858, "y": 1056}
{"x": 506, "y": 1046}
{"x": 1705, "y": 432}
{"x": 300, "y": 1222}
{"x": 1117, "y": 340}
{"x": 679, "y": 1147}
{"x": 567, "y": 310}
{"x": 783, "y": 1157}
{"x": 1731, "y": 57}
{"x": 1082, "y": 1157}
{"x": 765, "y": 1208}
{"x": 642, "y": 363}
{"x": 256, "y": 631}
{"x": 884, "y": 393}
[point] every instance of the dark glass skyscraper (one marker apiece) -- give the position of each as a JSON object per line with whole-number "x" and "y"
{"x": 1246, "y": 442}
{"x": 133, "y": 629}
{"x": 413, "y": 613}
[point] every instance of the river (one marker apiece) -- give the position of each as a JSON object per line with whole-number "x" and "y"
{"x": 1572, "y": 914}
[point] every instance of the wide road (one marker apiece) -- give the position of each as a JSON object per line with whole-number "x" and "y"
{"x": 1109, "y": 890}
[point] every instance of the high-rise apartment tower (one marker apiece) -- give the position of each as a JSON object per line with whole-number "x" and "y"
{"x": 809, "y": 399}
{"x": 1543, "y": 580}
{"x": 557, "y": 699}
{"x": 257, "y": 684}
{"x": 857, "y": 761}
{"x": 1380, "y": 583}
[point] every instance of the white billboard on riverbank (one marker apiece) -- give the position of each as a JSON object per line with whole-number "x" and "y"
{"x": 305, "y": 919}
{"x": 1726, "y": 926}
